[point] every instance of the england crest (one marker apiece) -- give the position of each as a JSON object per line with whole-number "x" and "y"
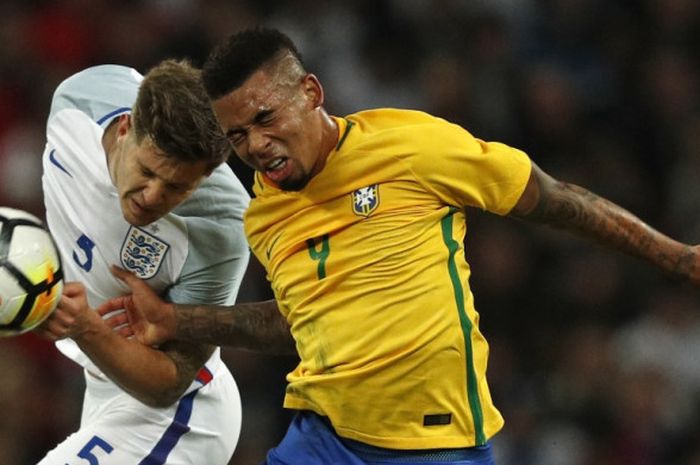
{"x": 365, "y": 200}
{"x": 142, "y": 253}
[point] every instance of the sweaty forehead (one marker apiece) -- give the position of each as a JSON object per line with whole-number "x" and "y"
{"x": 261, "y": 92}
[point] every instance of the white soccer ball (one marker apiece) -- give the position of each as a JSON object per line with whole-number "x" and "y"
{"x": 31, "y": 276}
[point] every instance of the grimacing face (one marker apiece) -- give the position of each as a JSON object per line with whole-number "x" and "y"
{"x": 272, "y": 122}
{"x": 148, "y": 183}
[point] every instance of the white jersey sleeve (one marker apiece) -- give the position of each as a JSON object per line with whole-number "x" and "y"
{"x": 218, "y": 253}
{"x": 100, "y": 93}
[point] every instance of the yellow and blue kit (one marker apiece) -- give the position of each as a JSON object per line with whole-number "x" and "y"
{"x": 367, "y": 264}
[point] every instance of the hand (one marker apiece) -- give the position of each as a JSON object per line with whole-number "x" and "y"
{"x": 148, "y": 318}
{"x": 72, "y": 318}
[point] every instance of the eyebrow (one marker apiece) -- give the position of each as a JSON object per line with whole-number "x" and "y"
{"x": 144, "y": 168}
{"x": 173, "y": 184}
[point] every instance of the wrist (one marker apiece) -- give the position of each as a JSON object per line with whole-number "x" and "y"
{"x": 93, "y": 329}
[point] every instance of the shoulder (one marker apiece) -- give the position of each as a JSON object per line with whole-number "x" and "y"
{"x": 100, "y": 92}
{"x": 408, "y": 124}
{"x": 387, "y": 118}
{"x": 213, "y": 215}
{"x": 220, "y": 197}
{"x": 100, "y": 75}
{"x": 409, "y": 132}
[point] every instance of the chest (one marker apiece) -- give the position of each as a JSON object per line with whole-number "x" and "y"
{"x": 359, "y": 233}
{"x": 85, "y": 219}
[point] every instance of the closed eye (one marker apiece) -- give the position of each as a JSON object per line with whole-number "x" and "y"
{"x": 177, "y": 187}
{"x": 267, "y": 121}
{"x": 236, "y": 136}
{"x": 262, "y": 118}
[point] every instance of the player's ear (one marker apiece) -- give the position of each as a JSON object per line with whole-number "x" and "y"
{"x": 313, "y": 90}
{"x": 123, "y": 125}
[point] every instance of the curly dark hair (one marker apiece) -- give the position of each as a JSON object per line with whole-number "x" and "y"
{"x": 173, "y": 110}
{"x": 231, "y": 63}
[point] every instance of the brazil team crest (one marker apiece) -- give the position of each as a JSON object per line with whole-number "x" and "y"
{"x": 365, "y": 200}
{"x": 142, "y": 253}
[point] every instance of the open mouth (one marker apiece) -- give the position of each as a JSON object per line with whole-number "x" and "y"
{"x": 278, "y": 169}
{"x": 141, "y": 211}
{"x": 276, "y": 164}
{"x": 137, "y": 207}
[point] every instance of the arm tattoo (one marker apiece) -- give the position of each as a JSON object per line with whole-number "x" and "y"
{"x": 188, "y": 358}
{"x": 255, "y": 326}
{"x": 574, "y": 208}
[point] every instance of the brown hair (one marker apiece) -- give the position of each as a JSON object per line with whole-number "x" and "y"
{"x": 174, "y": 111}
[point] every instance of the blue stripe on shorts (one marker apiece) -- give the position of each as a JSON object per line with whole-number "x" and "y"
{"x": 172, "y": 435}
{"x": 311, "y": 440}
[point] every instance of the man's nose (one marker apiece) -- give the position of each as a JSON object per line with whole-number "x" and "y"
{"x": 257, "y": 142}
{"x": 154, "y": 193}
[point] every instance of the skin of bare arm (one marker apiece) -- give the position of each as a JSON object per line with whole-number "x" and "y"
{"x": 256, "y": 326}
{"x": 163, "y": 374}
{"x": 573, "y": 208}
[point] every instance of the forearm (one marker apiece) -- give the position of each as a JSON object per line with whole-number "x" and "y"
{"x": 257, "y": 326}
{"x": 155, "y": 377}
{"x": 576, "y": 209}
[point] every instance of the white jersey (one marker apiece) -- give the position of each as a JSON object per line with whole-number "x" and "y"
{"x": 195, "y": 254}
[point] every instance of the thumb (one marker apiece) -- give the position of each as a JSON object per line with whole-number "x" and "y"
{"x": 73, "y": 289}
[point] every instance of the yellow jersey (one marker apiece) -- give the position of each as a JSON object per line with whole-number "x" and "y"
{"x": 367, "y": 264}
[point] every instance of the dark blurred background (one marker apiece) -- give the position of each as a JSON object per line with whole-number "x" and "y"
{"x": 595, "y": 356}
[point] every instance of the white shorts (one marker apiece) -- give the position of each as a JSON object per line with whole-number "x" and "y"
{"x": 201, "y": 428}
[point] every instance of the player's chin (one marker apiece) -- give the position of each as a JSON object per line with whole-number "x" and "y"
{"x": 293, "y": 183}
{"x": 140, "y": 219}
{"x": 137, "y": 216}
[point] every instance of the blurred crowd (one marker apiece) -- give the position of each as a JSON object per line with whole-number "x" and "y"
{"x": 595, "y": 355}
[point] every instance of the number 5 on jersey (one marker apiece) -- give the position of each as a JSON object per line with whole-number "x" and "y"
{"x": 86, "y": 452}
{"x": 86, "y": 245}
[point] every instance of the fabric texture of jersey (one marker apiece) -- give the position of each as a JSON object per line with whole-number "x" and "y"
{"x": 197, "y": 253}
{"x": 367, "y": 264}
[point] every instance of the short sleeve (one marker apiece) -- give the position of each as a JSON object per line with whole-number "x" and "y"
{"x": 218, "y": 251}
{"x": 101, "y": 92}
{"x": 467, "y": 172}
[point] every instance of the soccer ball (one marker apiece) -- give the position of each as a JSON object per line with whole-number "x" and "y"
{"x": 31, "y": 276}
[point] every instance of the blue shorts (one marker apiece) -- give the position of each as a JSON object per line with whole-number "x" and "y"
{"x": 310, "y": 440}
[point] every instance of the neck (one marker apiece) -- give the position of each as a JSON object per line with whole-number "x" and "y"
{"x": 109, "y": 139}
{"x": 329, "y": 136}
{"x": 109, "y": 144}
